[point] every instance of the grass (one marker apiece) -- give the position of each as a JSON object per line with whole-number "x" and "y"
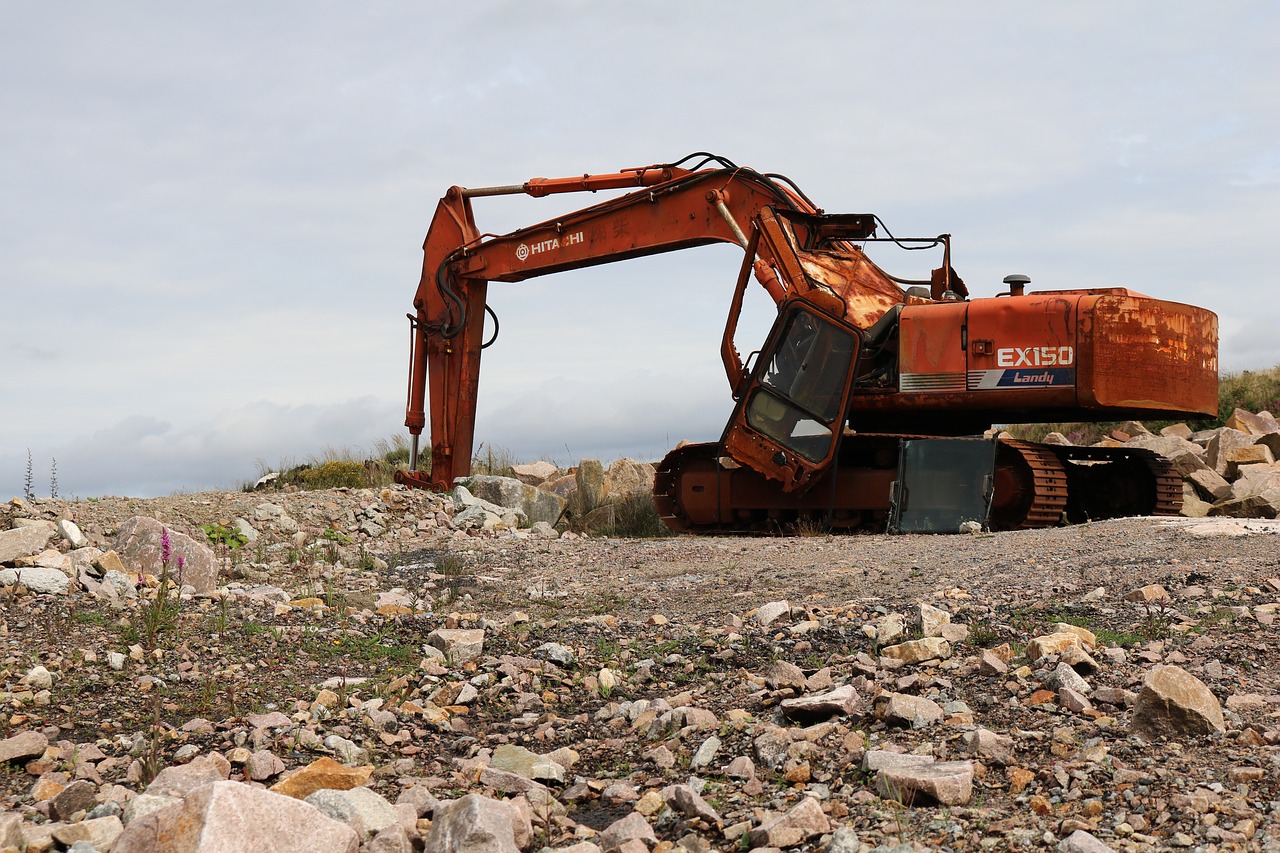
{"x": 334, "y": 468}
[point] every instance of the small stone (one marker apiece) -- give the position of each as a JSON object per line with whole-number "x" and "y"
{"x": 783, "y": 674}
{"x": 914, "y": 711}
{"x": 632, "y": 827}
{"x": 803, "y": 821}
{"x": 322, "y": 773}
{"x": 767, "y": 614}
{"x": 919, "y": 651}
{"x": 948, "y": 783}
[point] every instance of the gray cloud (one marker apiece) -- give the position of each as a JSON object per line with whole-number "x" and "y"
{"x": 205, "y": 207}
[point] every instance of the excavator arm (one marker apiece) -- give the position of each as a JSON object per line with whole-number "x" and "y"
{"x": 671, "y": 208}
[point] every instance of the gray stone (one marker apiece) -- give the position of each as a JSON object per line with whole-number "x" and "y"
{"x": 875, "y": 760}
{"x": 840, "y": 702}
{"x": 227, "y": 817}
{"x": 474, "y": 824}
{"x": 80, "y": 795}
{"x": 68, "y": 530}
{"x": 686, "y": 801}
{"x": 844, "y": 840}
{"x": 558, "y": 654}
{"x": 705, "y": 753}
{"x": 139, "y": 546}
{"x": 1065, "y": 676}
{"x": 23, "y": 542}
{"x": 767, "y": 614}
{"x": 348, "y": 751}
{"x": 365, "y": 811}
{"x": 530, "y": 503}
{"x": 37, "y": 579}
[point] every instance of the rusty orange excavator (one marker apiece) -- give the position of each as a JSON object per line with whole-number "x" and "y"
{"x": 865, "y": 407}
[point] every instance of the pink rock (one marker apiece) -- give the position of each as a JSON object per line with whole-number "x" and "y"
{"x": 229, "y": 817}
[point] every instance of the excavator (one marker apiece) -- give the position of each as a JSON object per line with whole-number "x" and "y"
{"x": 871, "y": 402}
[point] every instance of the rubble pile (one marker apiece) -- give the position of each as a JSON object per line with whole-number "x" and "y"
{"x": 1230, "y": 471}
{"x": 362, "y": 674}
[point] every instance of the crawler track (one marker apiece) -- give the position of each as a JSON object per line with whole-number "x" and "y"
{"x": 1036, "y": 485}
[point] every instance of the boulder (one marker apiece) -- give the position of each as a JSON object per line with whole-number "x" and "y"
{"x": 905, "y": 709}
{"x": 588, "y": 479}
{"x": 626, "y": 478}
{"x": 534, "y": 473}
{"x": 839, "y": 702}
{"x": 1249, "y": 423}
{"x": 68, "y": 530}
{"x": 23, "y": 542}
{"x": 22, "y": 747}
{"x": 531, "y": 503}
{"x": 458, "y": 644}
{"x": 37, "y": 579}
{"x": 1220, "y": 446}
{"x": 224, "y": 816}
{"x": 1174, "y": 702}
{"x": 1265, "y": 505}
{"x": 1242, "y": 458}
{"x": 139, "y": 544}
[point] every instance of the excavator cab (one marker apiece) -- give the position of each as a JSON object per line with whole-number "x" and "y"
{"x": 787, "y": 425}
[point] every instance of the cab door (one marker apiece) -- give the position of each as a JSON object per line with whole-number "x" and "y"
{"x": 787, "y": 425}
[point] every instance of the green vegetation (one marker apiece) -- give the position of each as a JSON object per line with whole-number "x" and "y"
{"x": 220, "y": 534}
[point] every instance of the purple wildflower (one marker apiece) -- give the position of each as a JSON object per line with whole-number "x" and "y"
{"x": 166, "y": 547}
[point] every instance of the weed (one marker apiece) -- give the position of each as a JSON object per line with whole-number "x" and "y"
{"x": 336, "y": 536}
{"x": 27, "y": 482}
{"x": 159, "y": 614}
{"x": 984, "y": 636}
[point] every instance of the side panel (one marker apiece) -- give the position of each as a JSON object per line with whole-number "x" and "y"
{"x": 932, "y": 348}
{"x": 1024, "y": 343}
{"x": 1148, "y": 354}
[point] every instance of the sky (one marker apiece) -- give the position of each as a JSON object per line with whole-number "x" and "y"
{"x": 211, "y": 215}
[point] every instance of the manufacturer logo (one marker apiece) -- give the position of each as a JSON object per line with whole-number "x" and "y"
{"x": 525, "y": 250}
{"x": 1035, "y": 356}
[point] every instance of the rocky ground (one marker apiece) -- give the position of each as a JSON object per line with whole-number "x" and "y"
{"x": 1112, "y": 685}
